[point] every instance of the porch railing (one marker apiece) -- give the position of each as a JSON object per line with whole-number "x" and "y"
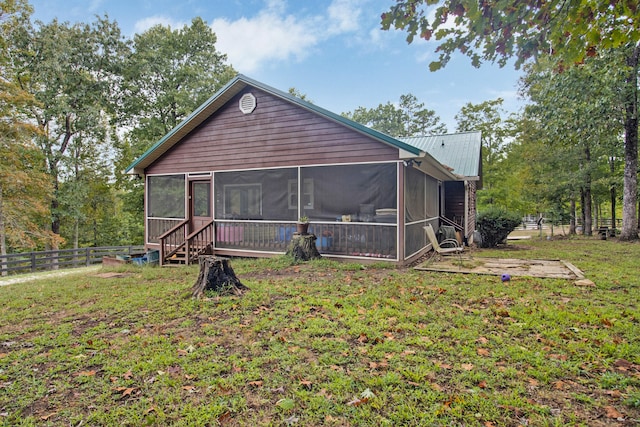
{"x": 373, "y": 240}
{"x": 334, "y": 238}
{"x": 157, "y": 227}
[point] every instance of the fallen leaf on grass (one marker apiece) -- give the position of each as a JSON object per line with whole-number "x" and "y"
{"x": 357, "y": 402}
{"x": 623, "y": 365}
{"x": 608, "y": 322}
{"x": 190, "y": 388}
{"x": 377, "y": 365}
{"x": 127, "y": 375}
{"x": 561, "y": 357}
{"x": 467, "y": 366}
{"x": 286, "y": 404}
{"x": 224, "y": 417}
{"x": 365, "y": 396}
{"x": 436, "y": 387}
{"x": 46, "y": 417}
{"x": 612, "y": 412}
{"x": 255, "y": 383}
{"x": 483, "y": 352}
{"x": 90, "y": 373}
{"x": 126, "y": 391}
{"x": 482, "y": 384}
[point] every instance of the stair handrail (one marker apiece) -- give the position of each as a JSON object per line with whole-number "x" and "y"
{"x": 198, "y": 242}
{"x": 451, "y": 223}
{"x": 172, "y": 240}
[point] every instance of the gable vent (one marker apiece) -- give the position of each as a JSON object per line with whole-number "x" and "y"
{"x": 247, "y": 103}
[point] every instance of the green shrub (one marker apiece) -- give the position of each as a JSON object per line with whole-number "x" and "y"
{"x": 494, "y": 226}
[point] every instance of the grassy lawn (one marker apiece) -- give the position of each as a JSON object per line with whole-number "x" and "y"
{"x": 329, "y": 344}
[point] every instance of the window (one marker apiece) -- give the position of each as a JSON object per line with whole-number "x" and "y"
{"x": 307, "y": 193}
{"x": 201, "y": 199}
{"x": 166, "y": 196}
{"x": 243, "y": 201}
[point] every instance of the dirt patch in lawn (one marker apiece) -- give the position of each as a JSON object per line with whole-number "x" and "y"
{"x": 557, "y": 269}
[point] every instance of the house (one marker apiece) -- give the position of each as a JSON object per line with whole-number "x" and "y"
{"x": 461, "y": 152}
{"x": 235, "y": 176}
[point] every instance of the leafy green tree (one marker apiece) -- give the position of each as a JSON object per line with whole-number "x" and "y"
{"x": 571, "y": 30}
{"x": 486, "y": 117}
{"x": 578, "y": 110}
{"x": 298, "y": 94}
{"x": 409, "y": 118}
{"x": 72, "y": 72}
{"x": 23, "y": 184}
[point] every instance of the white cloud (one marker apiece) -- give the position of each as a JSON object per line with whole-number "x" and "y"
{"x": 344, "y": 16}
{"x": 250, "y": 42}
{"x": 273, "y": 34}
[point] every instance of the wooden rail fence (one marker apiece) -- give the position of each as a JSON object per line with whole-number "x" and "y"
{"x": 62, "y": 258}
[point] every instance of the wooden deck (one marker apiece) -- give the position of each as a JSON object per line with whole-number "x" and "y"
{"x": 557, "y": 269}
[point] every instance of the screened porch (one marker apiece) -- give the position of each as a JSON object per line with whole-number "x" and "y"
{"x": 352, "y": 209}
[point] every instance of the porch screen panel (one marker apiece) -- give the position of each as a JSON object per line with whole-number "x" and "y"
{"x": 432, "y": 197}
{"x": 166, "y": 196}
{"x": 255, "y": 195}
{"x": 415, "y": 195}
{"x": 422, "y": 207}
{"x": 355, "y": 190}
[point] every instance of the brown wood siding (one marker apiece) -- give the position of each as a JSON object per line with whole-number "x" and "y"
{"x": 454, "y": 199}
{"x": 277, "y": 133}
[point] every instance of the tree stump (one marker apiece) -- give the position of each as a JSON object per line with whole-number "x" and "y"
{"x": 303, "y": 247}
{"x": 216, "y": 274}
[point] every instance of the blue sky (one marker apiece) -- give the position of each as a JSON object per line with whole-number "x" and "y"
{"x": 331, "y": 50}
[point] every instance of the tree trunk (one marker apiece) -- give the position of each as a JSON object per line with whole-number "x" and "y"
{"x": 216, "y": 274}
{"x": 587, "y": 203}
{"x": 629, "y": 197}
{"x": 3, "y": 235}
{"x": 613, "y": 195}
{"x": 303, "y": 247}
{"x": 572, "y": 219}
{"x": 583, "y": 212}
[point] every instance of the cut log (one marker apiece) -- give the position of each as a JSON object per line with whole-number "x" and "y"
{"x": 303, "y": 247}
{"x": 216, "y": 274}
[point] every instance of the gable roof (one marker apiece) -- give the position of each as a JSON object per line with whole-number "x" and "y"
{"x": 459, "y": 151}
{"x": 231, "y": 89}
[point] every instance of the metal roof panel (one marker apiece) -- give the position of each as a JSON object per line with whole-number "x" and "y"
{"x": 459, "y": 151}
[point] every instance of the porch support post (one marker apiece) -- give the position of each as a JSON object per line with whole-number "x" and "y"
{"x": 187, "y": 248}
{"x": 400, "y": 216}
